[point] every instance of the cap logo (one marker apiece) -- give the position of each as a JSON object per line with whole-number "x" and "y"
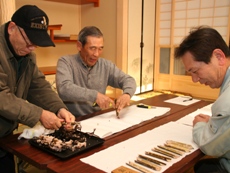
{"x": 44, "y": 21}
{"x": 39, "y": 23}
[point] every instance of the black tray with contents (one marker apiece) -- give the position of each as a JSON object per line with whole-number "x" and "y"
{"x": 91, "y": 141}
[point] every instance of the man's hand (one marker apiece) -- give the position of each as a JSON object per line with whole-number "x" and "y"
{"x": 201, "y": 118}
{"x": 67, "y": 116}
{"x": 122, "y": 101}
{"x": 50, "y": 121}
{"x": 104, "y": 101}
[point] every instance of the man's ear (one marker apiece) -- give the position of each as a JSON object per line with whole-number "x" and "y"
{"x": 79, "y": 45}
{"x": 11, "y": 27}
{"x": 219, "y": 54}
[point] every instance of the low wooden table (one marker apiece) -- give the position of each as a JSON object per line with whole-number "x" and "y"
{"x": 43, "y": 160}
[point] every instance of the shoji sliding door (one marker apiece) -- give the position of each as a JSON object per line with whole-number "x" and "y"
{"x": 174, "y": 19}
{"x": 141, "y": 40}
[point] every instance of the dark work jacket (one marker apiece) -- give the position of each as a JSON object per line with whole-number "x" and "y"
{"x": 22, "y": 99}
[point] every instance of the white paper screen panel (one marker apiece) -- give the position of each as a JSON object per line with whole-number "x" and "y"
{"x": 182, "y": 15}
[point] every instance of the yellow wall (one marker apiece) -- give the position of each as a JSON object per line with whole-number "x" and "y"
{"x": 104, "y": 17}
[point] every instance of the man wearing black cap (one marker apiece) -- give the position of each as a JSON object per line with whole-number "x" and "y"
{"x": 26, "y": 97}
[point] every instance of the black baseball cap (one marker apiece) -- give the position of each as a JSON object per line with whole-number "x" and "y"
{"x": 35, "y": 23}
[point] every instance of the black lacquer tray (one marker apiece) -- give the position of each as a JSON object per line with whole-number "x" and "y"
{"x": 91, "y": 142}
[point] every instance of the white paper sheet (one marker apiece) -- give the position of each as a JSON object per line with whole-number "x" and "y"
{"x": 128, "y": 150}
{"x": 188, "y": 119}
{"x": 107, "y": 123}
{"x": 182, "y": 100}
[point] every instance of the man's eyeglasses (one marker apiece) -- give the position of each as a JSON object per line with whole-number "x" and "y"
{"x": 27, "y": 44}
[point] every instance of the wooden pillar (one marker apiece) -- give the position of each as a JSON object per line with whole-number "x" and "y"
{"x": 7, "y": 8}
{"x": 122, "y": 41}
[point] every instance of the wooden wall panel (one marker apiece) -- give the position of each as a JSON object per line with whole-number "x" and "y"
{"x": 185, "y": 85}
{"x": 7, "y": 8}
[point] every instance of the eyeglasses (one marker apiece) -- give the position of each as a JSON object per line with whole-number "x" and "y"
{"x": 27, "y": 44}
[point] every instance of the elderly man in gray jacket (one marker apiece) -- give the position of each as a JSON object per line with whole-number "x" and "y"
{"x": 82, "y": 78}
